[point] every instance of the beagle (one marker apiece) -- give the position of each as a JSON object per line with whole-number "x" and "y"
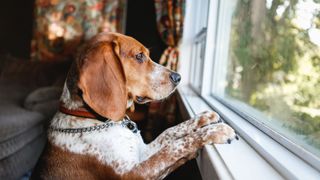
{"x": 92, "y": 138}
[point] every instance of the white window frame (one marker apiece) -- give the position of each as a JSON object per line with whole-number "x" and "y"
{"x": 258, "y": 155}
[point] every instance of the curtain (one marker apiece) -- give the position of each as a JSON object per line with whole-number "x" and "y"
{"x": 61, "y": 26}
{"x": 170, "y": 16}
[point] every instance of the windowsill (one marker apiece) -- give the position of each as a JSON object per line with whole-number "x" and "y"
{"x": 254, "y": 156}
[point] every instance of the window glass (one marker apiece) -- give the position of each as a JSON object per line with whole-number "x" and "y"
{"x": 273, "y": 66}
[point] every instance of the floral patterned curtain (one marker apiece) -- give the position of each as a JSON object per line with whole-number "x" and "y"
{"x": 170, "y": 16}
{"x": 61, "y": 26}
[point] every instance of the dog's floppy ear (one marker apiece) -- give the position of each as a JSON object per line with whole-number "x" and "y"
{"x": 102, "y": 80}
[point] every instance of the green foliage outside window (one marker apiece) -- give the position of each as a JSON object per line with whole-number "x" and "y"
{"x": 275, "y": 62}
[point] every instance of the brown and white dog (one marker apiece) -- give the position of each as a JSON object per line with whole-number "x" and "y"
{"x": 111, "y": 72}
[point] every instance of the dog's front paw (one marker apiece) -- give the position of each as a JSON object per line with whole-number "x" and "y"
{"x": 217, "y": 134}
{"x": 208, "y": 117}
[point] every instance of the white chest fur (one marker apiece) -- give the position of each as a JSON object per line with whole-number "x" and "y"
{"x": 115, "y": 146}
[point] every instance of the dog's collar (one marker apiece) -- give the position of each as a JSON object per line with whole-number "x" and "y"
{"x": 79, "y": 112}
{"x": 83, "y": 112}
{"x": 126, "y": 123}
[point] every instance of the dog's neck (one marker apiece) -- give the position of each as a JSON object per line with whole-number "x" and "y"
{"x": 75, "y": 102}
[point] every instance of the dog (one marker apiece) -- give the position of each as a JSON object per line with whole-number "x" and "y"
{"x": 92, "y": 138}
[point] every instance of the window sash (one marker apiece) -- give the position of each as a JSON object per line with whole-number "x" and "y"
{"x": 200, "y": 20}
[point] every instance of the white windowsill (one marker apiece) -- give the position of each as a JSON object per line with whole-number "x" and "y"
{"x": 254, "y": 156}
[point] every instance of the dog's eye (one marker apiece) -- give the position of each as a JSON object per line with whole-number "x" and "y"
{"x": 140, "y": 57}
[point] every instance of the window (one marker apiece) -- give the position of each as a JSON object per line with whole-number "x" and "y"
{"x": 262, "y": 60}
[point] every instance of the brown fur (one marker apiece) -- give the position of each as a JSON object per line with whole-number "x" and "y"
{"x": 70, "y": 166}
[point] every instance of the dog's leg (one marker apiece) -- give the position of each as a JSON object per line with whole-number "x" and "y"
{"x": 173, "y": 155}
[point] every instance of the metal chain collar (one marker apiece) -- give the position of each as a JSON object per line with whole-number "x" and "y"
{"x": 126, "y": 123}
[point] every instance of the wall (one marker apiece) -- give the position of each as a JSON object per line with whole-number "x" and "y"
{"x": 141, "y": 25}
{"x": 16, "y": 27}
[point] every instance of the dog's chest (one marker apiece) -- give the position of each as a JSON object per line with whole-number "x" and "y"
{"x": 115, "y": 146}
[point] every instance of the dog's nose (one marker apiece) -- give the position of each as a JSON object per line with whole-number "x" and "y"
{"x": 175, "y": 78}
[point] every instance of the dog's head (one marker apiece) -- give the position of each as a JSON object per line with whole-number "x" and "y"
{"x": 115, "y": 69}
